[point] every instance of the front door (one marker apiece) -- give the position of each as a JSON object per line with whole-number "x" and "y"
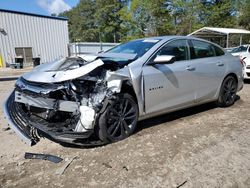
{"x": 168, "y": 86}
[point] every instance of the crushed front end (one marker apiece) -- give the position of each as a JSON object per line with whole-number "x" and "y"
{"x": 55, "y": 111}
{"x": 64, "y": 111}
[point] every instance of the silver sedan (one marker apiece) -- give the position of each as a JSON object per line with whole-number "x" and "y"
{"x": 98, "y": 99}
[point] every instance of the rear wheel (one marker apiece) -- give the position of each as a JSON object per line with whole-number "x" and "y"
{"x": 119, "y": 119}
{"x": 227, "y": 92}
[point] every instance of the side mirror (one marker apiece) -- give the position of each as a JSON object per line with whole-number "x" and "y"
{"x": 164, "y": 59}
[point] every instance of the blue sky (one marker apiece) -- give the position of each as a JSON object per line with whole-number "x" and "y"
{"x": 44, "y": 7}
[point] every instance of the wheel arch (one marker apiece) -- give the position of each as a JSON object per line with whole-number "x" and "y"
{"x": 228, "y": 74}
{"x": 233, "y": 75}
{"x": 127, "y": 87}
{"x": 220, "y": 99}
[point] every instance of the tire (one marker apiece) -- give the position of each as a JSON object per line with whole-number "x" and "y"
{"x": 119, "y": 119}
{"x": 228, "y": 91}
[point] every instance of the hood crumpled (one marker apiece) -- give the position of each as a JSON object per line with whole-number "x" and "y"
{"x": 53, "y": 72}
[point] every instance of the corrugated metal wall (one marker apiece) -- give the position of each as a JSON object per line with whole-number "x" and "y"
{"x": 48, "y": 37}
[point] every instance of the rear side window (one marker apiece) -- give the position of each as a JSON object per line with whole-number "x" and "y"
{"x": 202, "y": 49}
{"x": 218, "y": 51}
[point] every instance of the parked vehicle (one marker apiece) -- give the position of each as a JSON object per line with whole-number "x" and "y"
{"x": 243, "y": 50}
{"x": 99, "y": 99}
{"x": 246, "y": 66}
{"x": 230, "y": 49}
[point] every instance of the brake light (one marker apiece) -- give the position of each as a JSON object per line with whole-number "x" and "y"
{"x": 242, "y": 61}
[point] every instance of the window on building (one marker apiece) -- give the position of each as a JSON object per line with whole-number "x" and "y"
{"x": 26, "y": 53}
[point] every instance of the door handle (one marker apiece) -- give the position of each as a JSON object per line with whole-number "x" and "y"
{"x": 220, "y": 64}
{"x": 189, "y": 68}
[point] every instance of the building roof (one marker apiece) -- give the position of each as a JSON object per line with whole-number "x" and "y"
{"x": 32, "y": 14}
{"x": 219, "y": 31}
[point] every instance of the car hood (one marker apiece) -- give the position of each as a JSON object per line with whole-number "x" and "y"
{"x": 53, "y": 72}
{"x": 57, "y": 71}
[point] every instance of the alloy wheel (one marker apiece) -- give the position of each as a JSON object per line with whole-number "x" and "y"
{"x": 229, "y": 91}
{"x": 122, "y": 118}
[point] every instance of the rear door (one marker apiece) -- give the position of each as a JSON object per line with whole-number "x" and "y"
{"x": 210, "y": 67}
{"x": 168, "y": 86}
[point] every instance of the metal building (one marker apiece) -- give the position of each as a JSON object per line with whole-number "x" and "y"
{"x": 31, "y": 35}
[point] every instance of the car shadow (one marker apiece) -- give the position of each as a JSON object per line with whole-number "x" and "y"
{"x": 144, "y": 124}
{"x": 168, "y": 117}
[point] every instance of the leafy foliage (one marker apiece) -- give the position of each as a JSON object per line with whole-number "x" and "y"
{"x": 244, "y": 15}
{"x": 121, "y": 20}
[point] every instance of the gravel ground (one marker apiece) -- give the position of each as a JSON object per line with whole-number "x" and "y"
{"x": 204, "y": 146}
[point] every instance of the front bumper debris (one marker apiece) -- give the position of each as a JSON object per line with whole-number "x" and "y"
{"x": 25, "y": 128}
{"x": 47, "y": 157}
{"x": 47, "y": 103}
{"x": 13, "y": 123}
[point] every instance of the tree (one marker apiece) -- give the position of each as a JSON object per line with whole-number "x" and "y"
{"x": 145, "y": 18}
{"x": 82, "y": 22}
{"x": 108, "y": 21}
{"x": 244, "y": 16}
{"x": 122, "y": 20}
{"x": 219, "y": 13}
{"x": 186, "y": 15}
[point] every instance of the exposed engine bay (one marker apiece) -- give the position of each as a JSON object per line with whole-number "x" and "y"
{"x": 69, "y": 104}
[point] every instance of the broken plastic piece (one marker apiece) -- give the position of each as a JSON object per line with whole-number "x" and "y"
{"x": 61, "y": 170}
{"x": 47, "y": 157}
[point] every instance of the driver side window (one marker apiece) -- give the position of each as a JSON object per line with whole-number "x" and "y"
{"x": 178, "y": 48}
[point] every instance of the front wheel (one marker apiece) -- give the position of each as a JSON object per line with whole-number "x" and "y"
{"x": 227, "y": 92}
{"x": 119, "y": 119}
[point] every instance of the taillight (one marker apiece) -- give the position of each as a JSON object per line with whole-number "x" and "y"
{"x": 242, "y": 61}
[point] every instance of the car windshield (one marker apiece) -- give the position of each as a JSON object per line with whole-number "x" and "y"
{"x": 138, "y": 47}
{"x": 239, "y": 49}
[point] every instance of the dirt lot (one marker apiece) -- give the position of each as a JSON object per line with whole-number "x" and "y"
{"x": 203, "y": 146}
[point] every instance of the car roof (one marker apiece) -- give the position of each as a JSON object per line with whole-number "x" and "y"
{"x": 169, "y": 37}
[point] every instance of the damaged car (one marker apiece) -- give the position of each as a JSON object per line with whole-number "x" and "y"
{"x": 96, "y": 99}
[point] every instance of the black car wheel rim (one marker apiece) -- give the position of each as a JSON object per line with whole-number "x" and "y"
{"x": 229, "y": 91}
{"x": 121, "y": 119}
